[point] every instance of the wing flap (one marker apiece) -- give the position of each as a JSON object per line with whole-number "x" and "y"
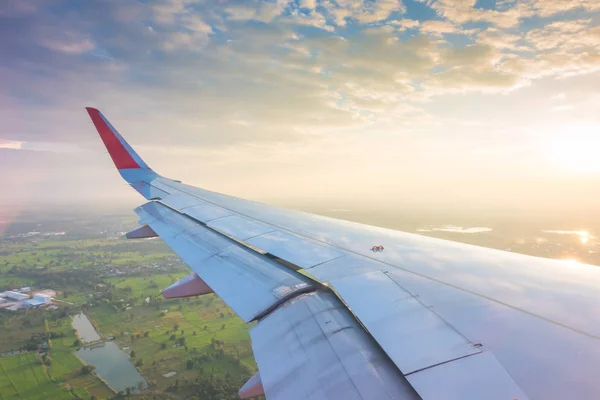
{"x": 412, "y": 335}
{"x": 248, "y": 282}
{"x": 471, "y": 378}
{"x": 312, "y": 348}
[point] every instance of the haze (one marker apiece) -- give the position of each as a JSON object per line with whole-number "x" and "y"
{"x": 447, "y": 105}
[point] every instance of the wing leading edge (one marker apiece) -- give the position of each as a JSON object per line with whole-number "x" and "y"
{"x": 436, "y": 319}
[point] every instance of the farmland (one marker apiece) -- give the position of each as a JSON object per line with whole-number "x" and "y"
{"x": 199, "y": 343}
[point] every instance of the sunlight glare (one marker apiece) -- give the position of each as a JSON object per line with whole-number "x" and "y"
{"x": 571, "y": 262}
{"x": 576, "y": 148}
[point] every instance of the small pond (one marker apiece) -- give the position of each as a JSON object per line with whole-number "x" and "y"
{"x": 85, "y": 329}
{"x": 112, "y": 364}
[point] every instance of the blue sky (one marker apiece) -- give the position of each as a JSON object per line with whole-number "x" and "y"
{"x": 478, "y": 100}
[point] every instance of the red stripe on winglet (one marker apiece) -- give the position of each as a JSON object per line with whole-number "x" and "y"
{"x": 118, "y": 153}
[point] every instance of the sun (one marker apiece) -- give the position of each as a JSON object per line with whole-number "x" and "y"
{"x": 577, "y": 148}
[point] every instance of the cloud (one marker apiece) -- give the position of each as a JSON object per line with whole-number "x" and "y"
{"x": 75, "y": 46}
{"x": 263, "y": 11}
{"x": 18, "y": 8}
{"x": 313, "y": 19}
{"x": 405, "y": 24}
{"x": 39, "y": 146}
{"x": 438, "y": 27}
{"x": 463, "y": 11}
{"x": 367, "y": 12}
{"x": 220, "y": 74}
{"x": 547, "y": 8}
{"x": 10, "y": 144}
{"x": 309, "y": 4}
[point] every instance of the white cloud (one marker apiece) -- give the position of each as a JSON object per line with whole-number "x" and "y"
{"x": 547, "y": 8}
{"x": 312, "y": 19}
{"x": 10, "y": 144}
{"x": 309, "y": 4}
{"x": 195, "y": 23}
{"x": 438, "y": 27}
{"x": 405, "y": 24}
{"x": 69, "y": 45}
{"x": 264, "y": 11}
{"x": 364, "y": 12}
{"x": 39, "y": 146}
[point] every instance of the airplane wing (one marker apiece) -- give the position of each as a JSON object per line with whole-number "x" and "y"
{"x": 339, "y": 317}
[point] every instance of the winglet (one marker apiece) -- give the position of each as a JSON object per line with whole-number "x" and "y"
{"x": 130, "y": 165}
{"x": 120, "y": 151}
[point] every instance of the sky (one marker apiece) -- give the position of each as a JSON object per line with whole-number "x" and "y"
{"x": 447, "y": 103}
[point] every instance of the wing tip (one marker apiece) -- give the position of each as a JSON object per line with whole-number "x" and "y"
{"x": 122, "y": 154}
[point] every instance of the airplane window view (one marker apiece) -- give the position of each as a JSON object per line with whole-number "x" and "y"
{"x": 300, "y": 199}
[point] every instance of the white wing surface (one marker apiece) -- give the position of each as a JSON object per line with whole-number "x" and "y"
{"x": 425, "y": 318}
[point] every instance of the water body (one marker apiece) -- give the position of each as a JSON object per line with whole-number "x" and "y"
{"x": 114, "y": 366}
{"x": 456, "y": 229}
{"x": 85, "y": 329}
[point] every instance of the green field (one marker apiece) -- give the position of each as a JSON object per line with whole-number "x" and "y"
{"x": 200, "y": 339}
{"x": 201, "y": 321}
{"x": 23, "y": 377}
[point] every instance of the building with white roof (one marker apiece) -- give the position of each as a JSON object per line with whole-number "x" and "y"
{"x": 38, "y": 300}
{"x": 16, "y": 295}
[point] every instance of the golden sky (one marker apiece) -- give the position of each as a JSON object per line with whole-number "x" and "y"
{"x": 437, "y": 102}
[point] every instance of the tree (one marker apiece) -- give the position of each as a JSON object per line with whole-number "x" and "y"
{"x": 77, "y": 343}
{"x": 173, "y": 337}
{"x": 175, "y": 327}
{"x": 87, "y": 369}
{"x": 47, "y": 360}
{"x": 132, "y": 354}
{"x": 139, "y": 363}
{"x": 189, "y": 364}
{"x": 163, "y": 346}
{"x": 146, "y": 334}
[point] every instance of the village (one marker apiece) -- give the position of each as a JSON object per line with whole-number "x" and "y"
{"x": 24, "y": 298}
